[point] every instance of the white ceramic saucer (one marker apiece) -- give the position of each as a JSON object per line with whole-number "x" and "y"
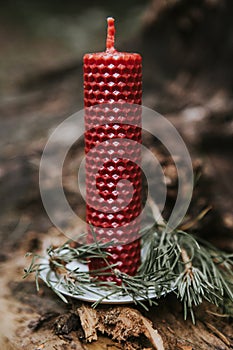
{"x": 94, "y": 294}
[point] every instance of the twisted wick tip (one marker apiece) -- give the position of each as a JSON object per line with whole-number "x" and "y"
{"x": 110, "y": 34}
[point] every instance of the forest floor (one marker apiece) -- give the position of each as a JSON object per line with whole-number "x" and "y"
{"x": 195, "y": 95}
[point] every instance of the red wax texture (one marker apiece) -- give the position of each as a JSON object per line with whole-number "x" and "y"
{"x": 113, "y": 77}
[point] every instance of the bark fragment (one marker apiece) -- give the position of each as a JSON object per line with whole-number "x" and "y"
{"x": 120, "y": 323}
{"x": 89, "y": 322}
{"x": 66, "y": 323}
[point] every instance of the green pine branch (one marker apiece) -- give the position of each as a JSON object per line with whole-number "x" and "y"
{"x": 174, "y": 262}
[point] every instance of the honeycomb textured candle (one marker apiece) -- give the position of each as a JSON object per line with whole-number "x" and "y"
{"x": 112, "y": 146}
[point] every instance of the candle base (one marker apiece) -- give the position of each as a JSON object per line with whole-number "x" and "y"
{"x": 127, "y": 257}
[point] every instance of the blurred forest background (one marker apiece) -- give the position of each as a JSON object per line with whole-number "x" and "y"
{"x": 187, "y": 49}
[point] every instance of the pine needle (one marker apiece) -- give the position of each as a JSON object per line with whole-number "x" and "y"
{"x": 172, "y": 262}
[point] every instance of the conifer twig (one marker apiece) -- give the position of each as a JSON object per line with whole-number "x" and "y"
{"x": 172, "y": 262}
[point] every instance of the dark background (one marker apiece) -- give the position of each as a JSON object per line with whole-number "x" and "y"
{"x": 187, "y": 49}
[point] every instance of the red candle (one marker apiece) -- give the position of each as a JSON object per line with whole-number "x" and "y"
{"x": 113, "y": 78}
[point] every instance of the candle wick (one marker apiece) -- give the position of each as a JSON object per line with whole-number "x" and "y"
{"x": 110, "y": 35}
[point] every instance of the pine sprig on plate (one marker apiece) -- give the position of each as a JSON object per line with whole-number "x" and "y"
{"x": 172, "y": 262}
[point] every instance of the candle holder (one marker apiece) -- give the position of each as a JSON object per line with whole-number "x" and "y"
{"x": 165, "y": 267}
